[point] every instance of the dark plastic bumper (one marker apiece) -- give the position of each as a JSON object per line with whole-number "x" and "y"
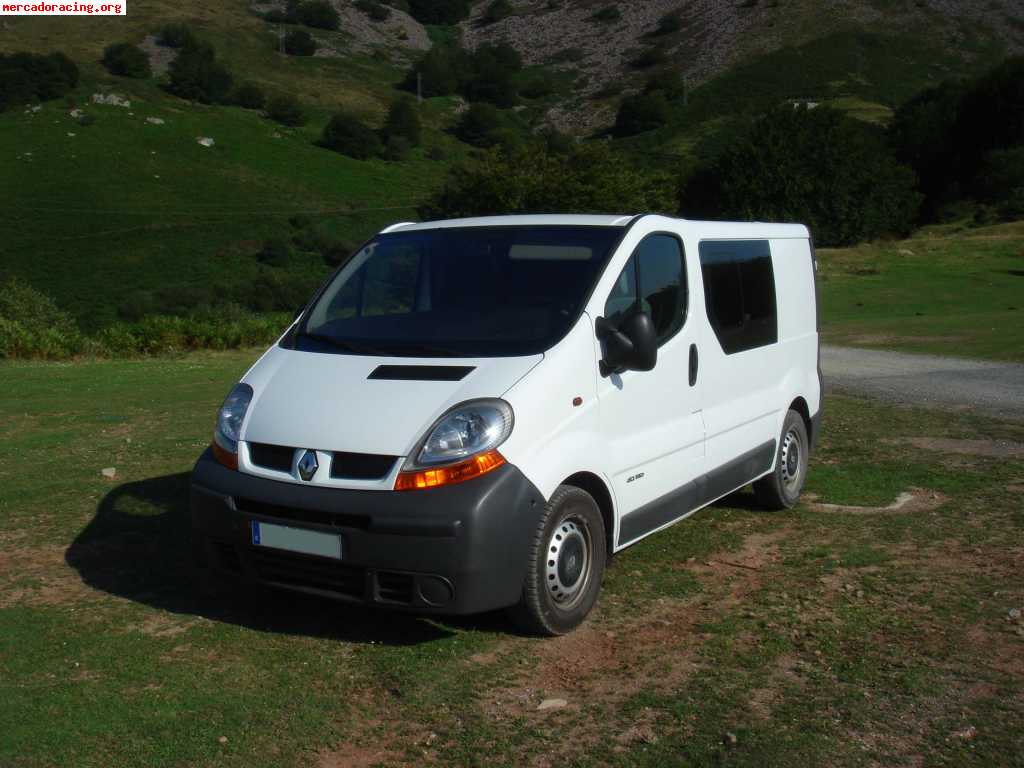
{"x": 454, "y": 550}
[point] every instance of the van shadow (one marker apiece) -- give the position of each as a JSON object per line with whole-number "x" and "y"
{"x": 138, "y": 546}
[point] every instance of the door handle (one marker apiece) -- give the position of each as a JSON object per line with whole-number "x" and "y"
{"x": 694, "y": 362}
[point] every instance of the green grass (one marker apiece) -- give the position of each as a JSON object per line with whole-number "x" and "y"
{"x": 838, "y": 639}
{"x": 948, "y": 290}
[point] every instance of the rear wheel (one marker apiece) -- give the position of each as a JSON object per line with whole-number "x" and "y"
{"x": 781, "y": 489}
{"x": 567, "y": 559}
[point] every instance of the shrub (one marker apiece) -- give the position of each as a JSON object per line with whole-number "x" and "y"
{"x": 396, "y": 148}
{"x": 126, "y": 60}
{"x": 197, "y": 75}
{"x": 347, "y": 134}
{"x": 607, "y": 14}
{"x": 298, "y": 42}
{"x": 531, "y": 179}
{"x": 669, "y": 23}
{"x": 31, "y": 324}
{"x": 376, "y": 11}
{"x": 26, "y": 77}
{"x": 276, "y": 252}
{"x": 819, "y": 167}
{"x": 439, "y": 11}
{"x": 667, "y": 82}
{"x": 248, "y": 96}
{"x": 1001, "y": 176}
{"x": 496, "y": 11}
{"x": 403, "y": 121}
{"x": 313, "y": 13}
{"x": 286, "y": 110}
{"x": 654, "y": 56}
{"x": 640, "y": 113}
{"x": 176, "y": 35}
{"x": 484, "y": 125}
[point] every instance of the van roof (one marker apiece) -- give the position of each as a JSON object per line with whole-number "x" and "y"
{"x": 708, "y": 229}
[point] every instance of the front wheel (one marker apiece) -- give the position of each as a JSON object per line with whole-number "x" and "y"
{"x": 781, "y": 489}
{"x": 567, "y": 559}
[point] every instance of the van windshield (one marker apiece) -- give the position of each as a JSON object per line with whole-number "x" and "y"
{"x": 492, "y": 292}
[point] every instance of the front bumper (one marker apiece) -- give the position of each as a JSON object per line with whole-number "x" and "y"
{"x": 457, "y": 549}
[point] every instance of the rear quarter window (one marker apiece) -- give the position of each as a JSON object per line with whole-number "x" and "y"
{"x": 739, "y": 293}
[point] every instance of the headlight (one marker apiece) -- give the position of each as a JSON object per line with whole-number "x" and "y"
{"x": 464, "y": 431}
{"x": 461, "y": 445}
{"x": 229, "y": 425}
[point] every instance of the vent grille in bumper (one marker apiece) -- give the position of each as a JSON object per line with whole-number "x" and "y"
{"x": 309, "y": 572}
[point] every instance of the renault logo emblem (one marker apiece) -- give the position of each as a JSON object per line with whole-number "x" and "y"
{"x": 308, "y": 465}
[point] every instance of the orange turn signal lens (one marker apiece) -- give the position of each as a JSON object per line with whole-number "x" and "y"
{"x": 454, "y": 473}
{"x": 228, "y": 459}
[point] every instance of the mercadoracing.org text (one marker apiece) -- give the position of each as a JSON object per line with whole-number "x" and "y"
{"x": 63, "y": 9}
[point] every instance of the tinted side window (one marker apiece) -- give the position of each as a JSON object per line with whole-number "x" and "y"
{"x": 739, "y": 290}
{"x": 654, "y": 279}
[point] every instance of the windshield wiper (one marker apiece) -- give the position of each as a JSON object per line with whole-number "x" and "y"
{"x": 416, "y": 349}
{"x": 344, "y": 346}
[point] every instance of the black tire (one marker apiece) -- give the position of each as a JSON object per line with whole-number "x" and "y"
{"x": 781, "y": 489}
{"x": 567, "y": 561}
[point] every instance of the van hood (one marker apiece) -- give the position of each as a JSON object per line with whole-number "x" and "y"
{"x": 328, "y": 401}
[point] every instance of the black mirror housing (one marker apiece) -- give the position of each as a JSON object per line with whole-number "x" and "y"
{"x": 632, "y": 346}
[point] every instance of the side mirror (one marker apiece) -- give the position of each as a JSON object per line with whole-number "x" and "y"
{"x": 632, "y": 346}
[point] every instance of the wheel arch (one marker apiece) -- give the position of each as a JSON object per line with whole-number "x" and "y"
{"x": 800, "y": 406}
{"x": 595, "y": 486}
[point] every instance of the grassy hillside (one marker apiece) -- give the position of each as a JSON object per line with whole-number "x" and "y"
{"x": 97, "y": 214}
{"x": 94, "y": 214}
{"x": 947, "y": 291}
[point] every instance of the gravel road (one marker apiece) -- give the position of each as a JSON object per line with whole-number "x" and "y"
{"x": 992, "y": 388}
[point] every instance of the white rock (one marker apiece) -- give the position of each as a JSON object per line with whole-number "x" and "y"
{"x": 155, "y": 120}
{"x": 1014, "y": 613}
{"x": 76, "y": 113}
{"x": 71, "y": 134}
{"x": 111, "y": 99}
{"x": 552, "y": 704}
{"x": 206, "y": 141}
{"x": 109, "y": 472}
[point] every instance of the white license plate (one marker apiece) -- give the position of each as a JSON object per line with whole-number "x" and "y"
{"x": 296, "y": 540}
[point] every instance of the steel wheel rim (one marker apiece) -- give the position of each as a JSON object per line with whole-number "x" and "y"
{"x": 790, "y": 459}
{"x": 567, "y": 562}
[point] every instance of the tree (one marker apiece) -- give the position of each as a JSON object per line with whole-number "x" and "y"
{"x": 403, "y": 121}
{"x": 816, "y": 166}
{"x": 493, "y": 73}
{"x": 126, "y": 60}
{"x": 531, "y": 179}
{"x": 319, "y": 14}
{"x": 484, "y": 125}
{"x": 496, "y": 11}
{"x": 299, "y": 42}
{"x": 197, "y": 75}
{"x": 25, "y": 77}
{"x": 286, "y": 110}
{"x": 441, "y": 70}
{"x": 347, "y": 134}
{"x": 640, "y": 113}
{"x": 176, "y": 35}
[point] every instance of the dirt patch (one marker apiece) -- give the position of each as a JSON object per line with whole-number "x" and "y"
{"x": 160, "y": 56}
{"x": 354, "y": 756}
{"x": 610, "y": 662}
{"x": 39, "y": 576}
{"x": 997, "y": 449}
{"x": 914, "y": 501}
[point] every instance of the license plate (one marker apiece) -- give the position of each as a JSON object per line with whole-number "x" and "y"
{"x": 296, "y": 540}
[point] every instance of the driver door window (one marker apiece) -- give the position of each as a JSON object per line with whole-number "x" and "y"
{"x": 653, "y": 280}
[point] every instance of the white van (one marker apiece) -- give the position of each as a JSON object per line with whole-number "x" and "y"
{"x": 476, "y": 414}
